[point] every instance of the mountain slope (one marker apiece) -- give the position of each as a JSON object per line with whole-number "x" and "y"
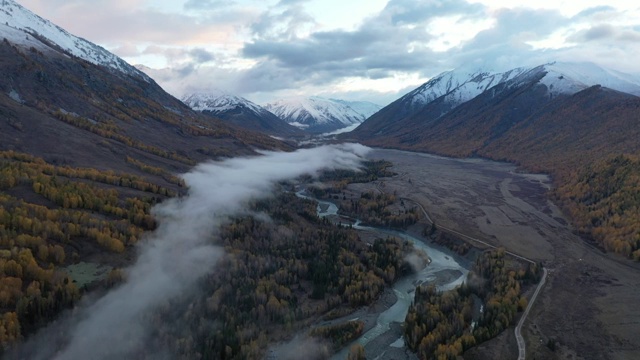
{"x": 318, "y": 115}
{"x": 442, "y": 93}
{"x": 241, "y": 112}
{"x": 92, "y": 109}
{"x": 17, "y": 23}
{"x": 449, "y": 90}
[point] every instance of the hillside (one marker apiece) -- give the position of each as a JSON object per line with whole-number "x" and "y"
{"x": 430, "y": 103}
{"x": 545, "y": 121}
{"x": 58, "y": 108}
{"x": 88, "y": 145}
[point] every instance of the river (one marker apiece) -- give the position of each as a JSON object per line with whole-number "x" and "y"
{"x": 443, "y": 270}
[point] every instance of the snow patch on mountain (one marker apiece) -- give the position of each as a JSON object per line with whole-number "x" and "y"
{"x": 20, "y": 26}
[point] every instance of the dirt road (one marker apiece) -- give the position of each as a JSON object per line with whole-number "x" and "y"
{"x": 586, "y": 310}
{"x": 522, "y": 349}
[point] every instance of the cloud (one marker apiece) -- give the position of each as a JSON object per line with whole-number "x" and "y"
{"x": 111, "y": 22}
{"x": 285, "y": 22}
{"x": 207, "y": 4}
{"x": 606, "y": 32}
{"x": 597, "y": 32}
{"x": 127, "y": 49}
{"x": 290, "y": 2}
{"x": 314, "y": 349}
{"x": 201, "y": 55}
{"x": 418, "y": 12}
{"x": 176, "y": 255}
{"x": 630, "y": 35}
{"x": 254, "y": 48}
{"x": 506, "y": 45}
{"x": 590, "y": 12}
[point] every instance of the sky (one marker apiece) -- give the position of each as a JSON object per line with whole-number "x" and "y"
{"x": 373, "y": 50}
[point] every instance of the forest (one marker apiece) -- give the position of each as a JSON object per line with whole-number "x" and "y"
{"x": 50, "y": 217}
{"x": 279, "y": 278}
{"x": 281, "y": 275}
{"x": 604, "y": 201}
{"x": 441, "y": 325}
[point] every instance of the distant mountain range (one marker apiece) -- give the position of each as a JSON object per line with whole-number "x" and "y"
{"x": 241, "y": 112}
{"x": 319, "y": 115}
{"x": 285, "y": 117}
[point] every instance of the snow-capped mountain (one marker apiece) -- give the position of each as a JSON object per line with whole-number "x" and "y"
{"x": 461, "y": 85}
{"x": 24, "y": 28}
{"x": 217, "y": 101}
{"x": 569, "y": 78}
{"x": 431, "y": 104}
{"x": 239, "y": 111}
{"x": 317, "y": 115}
{"x": 458, "y": 86}
{"x": 365, "y": 108}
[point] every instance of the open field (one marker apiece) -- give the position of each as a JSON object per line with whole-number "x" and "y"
{"x": 586, "y": 310}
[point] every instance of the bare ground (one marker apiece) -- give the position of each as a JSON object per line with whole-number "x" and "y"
{"x": 587, "y": 309}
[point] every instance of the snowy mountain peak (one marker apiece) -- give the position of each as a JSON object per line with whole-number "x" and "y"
{"x": 240, "y": 111}
{"x": 217, "y": 101}
{"x": 317, "y": 114}
{"x": 569, "y": 78}
{"x": 26, "y": 29}
{"x": 461, "y": 85}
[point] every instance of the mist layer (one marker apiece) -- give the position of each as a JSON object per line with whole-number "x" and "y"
{"x": 180, "y": 251}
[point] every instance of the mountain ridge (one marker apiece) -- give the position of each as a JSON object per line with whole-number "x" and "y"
{"x": 447, "y": 91}
{"x": 241, "y": 112}
{"x": 318, "y": 115}
{"x": 15, "y": 16}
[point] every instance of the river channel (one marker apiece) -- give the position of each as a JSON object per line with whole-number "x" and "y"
{"x": 439, "y": 271}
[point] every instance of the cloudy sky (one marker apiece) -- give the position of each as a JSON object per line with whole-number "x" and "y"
{"x": 353, "y": 49}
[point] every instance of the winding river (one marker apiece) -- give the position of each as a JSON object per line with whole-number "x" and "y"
{"x": 441, "y": 263}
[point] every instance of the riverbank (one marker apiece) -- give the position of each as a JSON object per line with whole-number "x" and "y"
{"x": 382, "y": 335}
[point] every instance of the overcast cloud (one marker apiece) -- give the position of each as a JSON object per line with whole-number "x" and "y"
{"x": 359, "y": 50}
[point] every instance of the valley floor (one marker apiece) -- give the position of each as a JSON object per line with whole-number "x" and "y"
{"x": 585, "y": 310}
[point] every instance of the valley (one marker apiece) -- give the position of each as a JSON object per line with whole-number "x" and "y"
{"x": 154, "y": 211}
{"x": 585, "y": 308}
